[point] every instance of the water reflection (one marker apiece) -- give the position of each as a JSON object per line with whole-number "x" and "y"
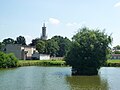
{"x": 87, "y": 83}
{"x": 57, "y": 78}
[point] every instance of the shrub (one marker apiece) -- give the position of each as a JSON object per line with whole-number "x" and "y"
{"x": 8, "y": 60}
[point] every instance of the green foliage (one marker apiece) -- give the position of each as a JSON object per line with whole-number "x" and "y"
{"x": 34, "y": 42}
{"x": 89, "y": 51}
{"x": 113, "y": 63}
{"x": 56, "y": 46}
{"x": 7, "y": 60}
{"x": 1, "y": 45}
{"x": 41, "y": 63}
{"x": 64, "y": 45}
{"x": 20, "y": 40}
{"x": 116, "y": 52}
{"x": 51, "y": 47}
{"x": 8, "y": 41}
{"x": 40, "y": 46}
{"x": 117, "y": 47}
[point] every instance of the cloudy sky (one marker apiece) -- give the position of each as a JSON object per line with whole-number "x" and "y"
{"x": 62, "y": 17}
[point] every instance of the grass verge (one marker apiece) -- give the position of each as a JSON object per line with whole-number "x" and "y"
{"x": 40, "y": 63}
{"x": 113, "y": 63}
{"x": 110, "y": 63}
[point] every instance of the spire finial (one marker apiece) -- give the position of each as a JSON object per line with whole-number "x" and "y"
{"x": 44, "y": 24}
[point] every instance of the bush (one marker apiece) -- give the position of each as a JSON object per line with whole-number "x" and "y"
{"x": 89, "y": 51}
{"x": 8, "y": 60}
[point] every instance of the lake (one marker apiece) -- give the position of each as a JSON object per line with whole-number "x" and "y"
{"x": 57, "y": 78}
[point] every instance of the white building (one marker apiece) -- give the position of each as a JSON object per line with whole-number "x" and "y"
{"x": 37, "y": 56}
{"x": 115, "y": 56}
{"x": 21, "y": 52}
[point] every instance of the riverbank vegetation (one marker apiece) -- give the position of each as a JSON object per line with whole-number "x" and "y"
{"x": 109, "y": 63}
{"x": 89, "y": 51}
{"x": 113, "y": 63}
{"x": 41, "y": 63}
{"x": 8, "y": 60}
{"x": 57, "y": 46}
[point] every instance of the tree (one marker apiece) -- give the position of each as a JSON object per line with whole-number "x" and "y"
{"x": 88, "y": 52}
{"x": 20, "y": 40}
{"x": 116, "y": 52}
{"x": 40, "y": 46}
{"x": 34, "y": 42}
{"x": 8, "y": 41}
{"x": 1, "y": 45}
{"x": 64, "y": 45}
{"x": 51, "y": 47}
{"x": 116, "y": 47}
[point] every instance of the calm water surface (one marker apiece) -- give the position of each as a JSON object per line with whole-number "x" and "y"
{"x": 57, "y": 78}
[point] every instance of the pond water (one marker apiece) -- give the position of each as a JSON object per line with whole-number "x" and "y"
{"x": 57, "y": 78}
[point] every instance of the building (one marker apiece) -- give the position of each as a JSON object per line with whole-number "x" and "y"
{"x": 21, "y": 52}
{"x": 27, "y": 52}
{"x": 44, "y": 36}
{"x": 37, "y": 56}
{"x": 115, "y": 56}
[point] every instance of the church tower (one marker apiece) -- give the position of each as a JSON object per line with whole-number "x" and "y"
{"x": 44, "y": 36}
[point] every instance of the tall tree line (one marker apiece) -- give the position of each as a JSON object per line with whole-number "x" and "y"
{"x": 57, "y": 46}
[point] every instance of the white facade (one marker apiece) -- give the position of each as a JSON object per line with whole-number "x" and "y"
{"x": 44, "y": 57}
{"x": 21, "y": 52}
{"x": 40, "y": 56}
{"x": 115, "y": 56}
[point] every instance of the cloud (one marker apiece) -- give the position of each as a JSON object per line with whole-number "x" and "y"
{"x": 74, "y": 24}
{"x": 117, "y": 4}
{"x": 54, "y": 21}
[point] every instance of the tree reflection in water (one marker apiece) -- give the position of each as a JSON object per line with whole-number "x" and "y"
{"x": 87, "y": 83}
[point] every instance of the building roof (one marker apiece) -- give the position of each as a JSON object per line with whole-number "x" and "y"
{"x": 115, "y": 54}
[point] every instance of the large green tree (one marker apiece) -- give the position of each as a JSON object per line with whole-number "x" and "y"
{"x": 40, "y": 46}
{"x": 64, "y": 45}
{"x": 35, "y": 41}
{"x": 88, "y": 52}
{"x": 21, "y": 40}
{"x": 51, "y": 47}
{"x": 1, "y": 45}
{"x": 8, "y": 41}
{"x": 116, "y": 47}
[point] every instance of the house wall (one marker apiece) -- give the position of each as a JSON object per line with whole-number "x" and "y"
{"x": 13, "y": 48}
{"x": 30, "y": 51}
{"x": 40, "y": 56}
{"x": 21, "y": 52}
{"x": 44, "y": 57}
{"x": 116, "y": 56}
{"x": 36, "y": 56}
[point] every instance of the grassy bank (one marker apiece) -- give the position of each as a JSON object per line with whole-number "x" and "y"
{"x": 113, "y": 63}
{"x": 41, "y": 63}
{"x": 110, "y": 63}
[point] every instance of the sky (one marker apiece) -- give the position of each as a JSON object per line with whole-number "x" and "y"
{"x": 62, "y": 17}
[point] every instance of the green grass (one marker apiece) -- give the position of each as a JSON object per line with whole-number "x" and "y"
{"x": 113, "y": 63}
{"x": 110, "y": 63}
{"x": 41, "y": 63}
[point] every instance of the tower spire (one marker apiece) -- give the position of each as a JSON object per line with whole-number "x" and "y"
{"x": 43, "y": 36}
{"x": 43, "y": 24}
